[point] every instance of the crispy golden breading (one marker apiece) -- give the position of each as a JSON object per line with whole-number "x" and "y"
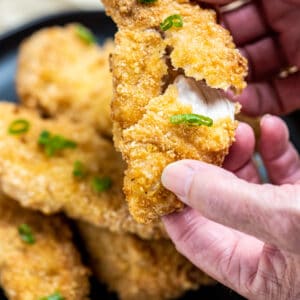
{"x": 33, "y": 271}
{"x": 146, "y": 63}
{"x": 60, "y": 74}
{"x": 137, "y": 269}
{"x": 202, "y": 48}
{"x": 158, "y": 143}
{"x": 47, "y": 184}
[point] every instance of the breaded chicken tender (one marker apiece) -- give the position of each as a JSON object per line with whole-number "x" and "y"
{"x": 47, "y": 182}
{"x": 49, "y": 265}
{"x": 60, "y": 73}
{"x": 137, "y": 269}
{"x": 160, "y": 74}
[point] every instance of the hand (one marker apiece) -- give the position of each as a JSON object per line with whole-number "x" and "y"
{"x": 242, "y": 233}
{"x": 268, "y": 34}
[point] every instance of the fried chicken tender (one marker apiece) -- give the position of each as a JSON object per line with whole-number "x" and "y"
{"x": 138, "y": 269}
{"x": 47, "y": 184}
{"x": 158, "y": 74}
{"x": 61, "y": 74}
{"x": 51, "y": 264}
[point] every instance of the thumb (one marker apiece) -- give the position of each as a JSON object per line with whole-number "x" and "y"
{"x": 268, "y": 212}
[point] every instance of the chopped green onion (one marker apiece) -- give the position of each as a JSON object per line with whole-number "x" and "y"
{"x": 55, "y": 296}
{"x": 79, "y": 169}
{"x": 191, "y": 119}
{"x": 174, "y": 20}
{"x": 85, "y": 34}
{"x": 19, "y": 126}
{"x": 25, "y": 233}
{"x": 101, "y": 184}
{"x": 54, "y": 143}
{"x": 146, "y": 1}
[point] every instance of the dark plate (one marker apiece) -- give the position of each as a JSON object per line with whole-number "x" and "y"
{"x": 103, "y": 28}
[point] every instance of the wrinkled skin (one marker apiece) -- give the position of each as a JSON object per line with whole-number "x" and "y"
{"x": 239, "y": 231}
{"x": 223, "y": 231}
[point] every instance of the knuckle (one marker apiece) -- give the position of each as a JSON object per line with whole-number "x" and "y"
{"x": 285, "y": 223}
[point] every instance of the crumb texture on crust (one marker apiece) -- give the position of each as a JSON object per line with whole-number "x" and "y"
{"x": 145, "y": 63}
{"x": 47, "y": 184}
{"x": 60, "y": 74}
{"x": 138, "y": 269}
{"x": 30, "y": 272}
{"x": 154, "y": 142}
{"x": 138, "y": 69}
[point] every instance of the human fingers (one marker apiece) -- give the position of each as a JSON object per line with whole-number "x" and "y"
{"x": 249, "y": 172}
{"x": 226, "y": 255}
{"x": 242, "y": 149}
{"x": 245, "y": 32}
{"x": 270, "y": 213}
{"x": 239, "y": 159}
{"x": 284, "y": 18}
{"x": 280, "y": 157}
{"x": 280, "y": 96}
{"x": 265, "y": 59}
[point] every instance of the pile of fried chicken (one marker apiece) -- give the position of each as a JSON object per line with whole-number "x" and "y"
{"x": 60, "y": 149}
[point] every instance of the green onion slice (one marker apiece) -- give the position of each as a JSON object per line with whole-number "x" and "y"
{"x": 85, "y": 34}
{"x": 19, "y": 126}
{"x": 79, "y": 169}
{"x": 146, "y": 1}
{"x": 55, "y": 296}
{"x": 173, "y": 20}
{"x": 25, "y": 233}
{"x": 54, "y": 143}
{"x": 101, "y": 184}
{"x": 191, "y": 119}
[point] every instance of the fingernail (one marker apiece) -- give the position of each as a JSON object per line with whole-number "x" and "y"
{"x": 265, "y": 118}
{"x": 177, "y": 178}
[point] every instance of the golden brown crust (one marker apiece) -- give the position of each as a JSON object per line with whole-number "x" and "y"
{"x": 154, "y": 142}
{"x": 144, "y": 64}
{"x": 51, "y": 264}
{"x": 59, "y": 74}
{"x": 47, "y": 184}
{"x": 137, "y": 269}
{"x": 138, "y": 68}
{"x": 202, "y": 48}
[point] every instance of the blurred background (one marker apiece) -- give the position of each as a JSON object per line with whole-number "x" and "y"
{"x": 17, "y": 12}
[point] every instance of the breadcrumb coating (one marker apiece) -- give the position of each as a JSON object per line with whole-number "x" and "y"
{"x": 60, "y": 74}
{"x": 137, "y": 269}
{"x": 154, "y": 142}
{"x": 51, "y": 264}
{"x": 47, "y": 184}
{"x": 145, "y": 63}
{"x": 202, "y": 48}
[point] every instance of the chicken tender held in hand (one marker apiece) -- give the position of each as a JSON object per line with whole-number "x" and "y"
{"x": 59, "y": 166}
{"x": 62, "y": 71}
{"x": 138, "y": 269}
{"x": 37, "y": 256}
{"x": 170, "y": 61}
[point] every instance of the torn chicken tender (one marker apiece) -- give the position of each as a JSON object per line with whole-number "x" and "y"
{"x": 154, "y": 142}
{"x": 201, "y": 47}
{"x": 138, "y": 269}
{"x": 51, "y": 264}
{"x": 61, "y": 74}
{"x": 158, "y": 74}
{"x": 47, "y": 184}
